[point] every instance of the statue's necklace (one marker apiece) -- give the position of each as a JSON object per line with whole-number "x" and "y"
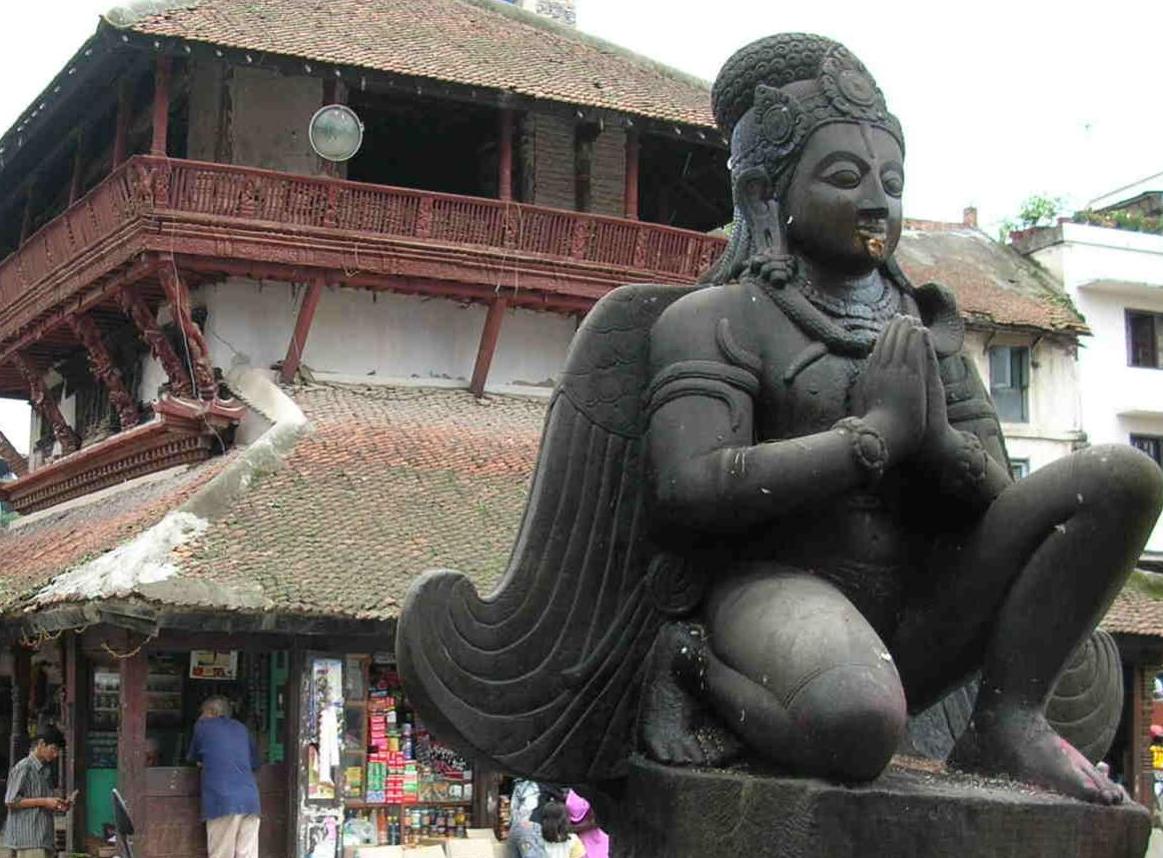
{"x": 848, "y": 328}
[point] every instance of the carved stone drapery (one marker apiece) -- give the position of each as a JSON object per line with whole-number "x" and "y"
{"x": 134, "y": 306}
{"x": 199, "y": 352}
{"x": 104, "y": 368}
{"x": 46, "y": 407}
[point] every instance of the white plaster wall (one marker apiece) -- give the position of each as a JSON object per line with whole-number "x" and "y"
{"x": 1054, "y": 427}
{"x": 385, "y": 336}
{"x": 1117, "y": 400}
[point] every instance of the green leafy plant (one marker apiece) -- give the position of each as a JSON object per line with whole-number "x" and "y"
{"x": 1130, "y": 221}
{"x": 1035, "y": 210}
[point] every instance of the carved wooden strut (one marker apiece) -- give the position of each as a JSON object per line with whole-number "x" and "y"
{"x": 101, "y": 362}
{"x": 179, "y": 297}
{"x": 45, "y": 406}
{"x": 134, "y": 306}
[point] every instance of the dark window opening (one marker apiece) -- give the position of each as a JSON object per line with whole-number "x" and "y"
{"x": 427, "y": 144}
{"x": 1019, "y": 468}
{"x": 682, "y": 184}
{"x": 1152, "y": 445}
{"x": 1009, "y": 382}
{"x": 1144, "y": 339}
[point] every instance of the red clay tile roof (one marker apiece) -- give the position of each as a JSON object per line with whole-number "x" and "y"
{"x": 994, "y": 284}
{"x": 1138, "y": 609}
{"x": 392, "y": 481}
{"x": 473, "y": 42}
{"x": 40, "y": 546}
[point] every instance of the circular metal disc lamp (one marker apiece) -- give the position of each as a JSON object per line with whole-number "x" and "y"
{"x": 335, "y": 132}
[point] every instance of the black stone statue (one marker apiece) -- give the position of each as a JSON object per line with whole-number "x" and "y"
{"x": 773, "y": 513}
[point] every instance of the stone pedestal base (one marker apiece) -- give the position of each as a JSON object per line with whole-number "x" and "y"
{"x": 684, "y": 813}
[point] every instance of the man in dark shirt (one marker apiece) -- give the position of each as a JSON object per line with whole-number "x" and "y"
{"x": 228, "y": 756}
{"x": 28, "y": 831}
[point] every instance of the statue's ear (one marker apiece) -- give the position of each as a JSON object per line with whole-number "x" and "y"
{"x": 754, "y": 196}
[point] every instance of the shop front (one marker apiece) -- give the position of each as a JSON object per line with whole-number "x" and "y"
{"x": 344, "y": 761}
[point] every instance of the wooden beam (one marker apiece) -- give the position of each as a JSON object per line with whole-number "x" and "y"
{"x": 21, "y": 686}
{"x": 302, "y": 328}
{"x": 26, "y": 217}
{"x": 196, "y": 348}
{"x": 505, "y": 156}
{"x": 105, "y": 369}
{"x": 72, "y": 769}
{"x": 76, "y": 177}
{"x": 12, "y": 458}
{"x": 133, "y": 668}
{"x": 124, "y": 116}
{"x": 488, "y": 346}
{"x": 44, "y": 404}
{"x": 630, "y": 197}
{"x": 161, "y": 105}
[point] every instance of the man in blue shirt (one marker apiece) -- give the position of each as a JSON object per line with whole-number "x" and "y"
{"x": 228, "y": 757}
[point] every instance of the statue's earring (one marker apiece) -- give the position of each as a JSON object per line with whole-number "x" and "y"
{"x": 754, "y": 196}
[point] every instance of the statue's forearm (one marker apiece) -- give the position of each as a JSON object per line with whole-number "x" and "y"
{"x": 739, "y": 486}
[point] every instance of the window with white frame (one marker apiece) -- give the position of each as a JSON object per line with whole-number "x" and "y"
{"x": 1019, "y": 468}
{"x": 1145, "y": 339}
{"x": 1009, "y": 382}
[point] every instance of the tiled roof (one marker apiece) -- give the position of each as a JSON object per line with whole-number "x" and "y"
{"x": 994, "y": 284}
{"x": 472, "y": 42}
{"x": 391, "y": 482}
{"x": 1138, "y": 609}
{"x": 38, "y": 547}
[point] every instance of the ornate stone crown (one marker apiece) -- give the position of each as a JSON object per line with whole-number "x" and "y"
{"x": 774, "y": 93}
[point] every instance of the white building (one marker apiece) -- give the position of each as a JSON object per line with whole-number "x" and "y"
{"x": 1022, "y": 334}
{"x": 1115, "y": 278}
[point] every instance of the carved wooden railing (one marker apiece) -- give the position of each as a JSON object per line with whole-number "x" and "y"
{"x": 354, "y": 207}
{"x": 62, "y": 243}
{"x": 36, "y": 277}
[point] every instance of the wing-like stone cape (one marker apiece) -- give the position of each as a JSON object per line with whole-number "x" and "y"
{"x": 542, "y": 676}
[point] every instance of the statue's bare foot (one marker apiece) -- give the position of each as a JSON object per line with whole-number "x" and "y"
{"x": 674, "y": 728}
{"x": 1020, "y": 744}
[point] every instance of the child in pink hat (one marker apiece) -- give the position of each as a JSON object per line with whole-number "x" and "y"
{"x": 581, "y": 816}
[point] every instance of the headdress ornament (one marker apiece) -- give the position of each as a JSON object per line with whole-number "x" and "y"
{"x": 774, "y": 93}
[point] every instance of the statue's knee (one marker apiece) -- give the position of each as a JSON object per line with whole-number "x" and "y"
{"x": 1117, "y": 476}
{"x": 853, "y": 717}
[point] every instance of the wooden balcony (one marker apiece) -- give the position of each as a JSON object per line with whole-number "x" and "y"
{"x": 217, "y": 220}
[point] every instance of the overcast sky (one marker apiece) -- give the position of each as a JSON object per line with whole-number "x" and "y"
{"x": 998, "y": 99}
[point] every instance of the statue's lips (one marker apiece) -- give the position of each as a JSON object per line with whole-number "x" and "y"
{"x": 873, "y": 234}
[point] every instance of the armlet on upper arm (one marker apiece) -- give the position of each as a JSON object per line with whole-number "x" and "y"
{"x": 701, "y": 378}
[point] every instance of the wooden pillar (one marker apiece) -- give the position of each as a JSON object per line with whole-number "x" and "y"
{"x": 488, "y": 345}
{"x": 302, "y": 328}
{"x": 134, "y": 306}
{"x": 630, "y": 197}
{"x": 78, "y": 166}
{"x": 106, "y": 371}
{"x": 161, "y": 105}
{"x": 18, "y": 744}
{"x": 121, "y": 131}
{"x": 131, "y": 742}
{"x": 70, "y": 771}
{"x": 505, "y": 159}
{"x": 46, "y": 407}
{"x": 179, "y": 298}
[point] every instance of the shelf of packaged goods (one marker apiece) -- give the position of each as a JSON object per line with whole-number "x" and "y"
{"x": 352, "y": 805}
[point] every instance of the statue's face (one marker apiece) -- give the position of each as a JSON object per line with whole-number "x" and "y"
{"x": 844, "y": 201}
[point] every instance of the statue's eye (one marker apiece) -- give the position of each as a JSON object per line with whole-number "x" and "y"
{"x": 893, "y": 183}
{"x": 843, "y": 176}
